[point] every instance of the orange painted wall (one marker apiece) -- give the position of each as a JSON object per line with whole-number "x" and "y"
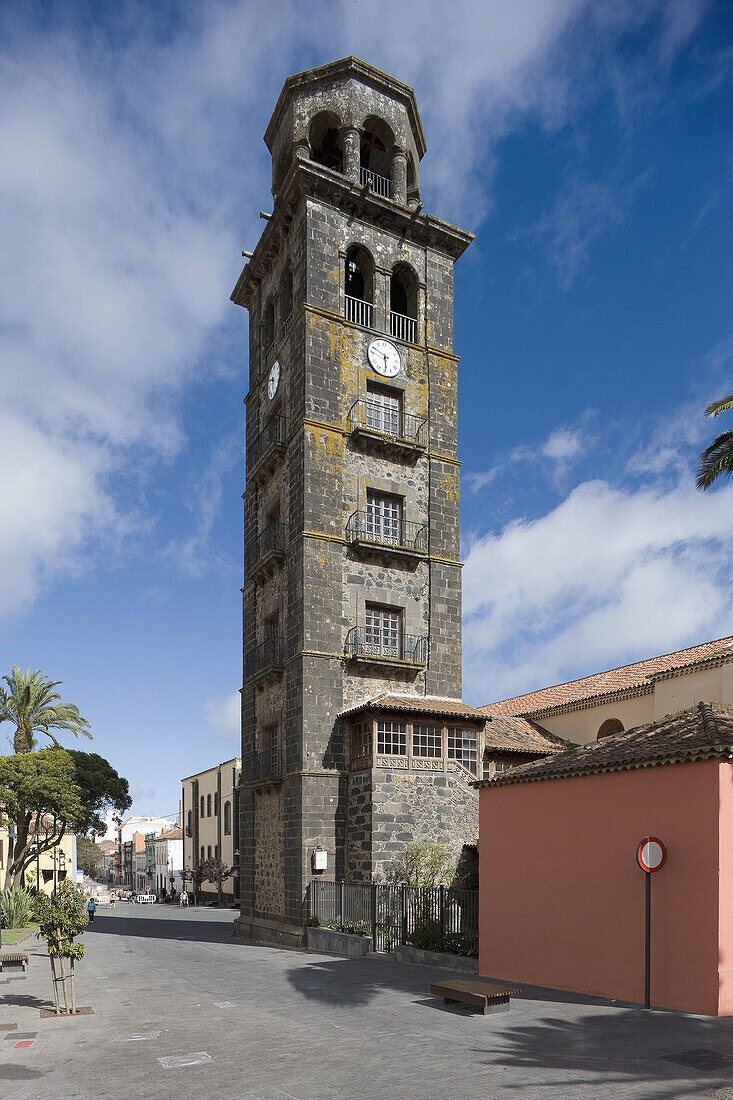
{"x": 562, "y": 899}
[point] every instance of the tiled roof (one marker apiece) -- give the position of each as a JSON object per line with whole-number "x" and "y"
{"x": 171, "y": 834}
{"x": 513, "y": 734}
{"x": 698, "y": 734}
{"x": 418, "y": 704}
{"x": 626, "y": 678}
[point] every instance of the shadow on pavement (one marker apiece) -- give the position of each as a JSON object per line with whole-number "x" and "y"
{"x": 202, "y": 931}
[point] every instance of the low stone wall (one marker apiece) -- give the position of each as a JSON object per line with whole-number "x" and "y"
{"x": 330, "y": 942}
{"x": 406, "y": 954}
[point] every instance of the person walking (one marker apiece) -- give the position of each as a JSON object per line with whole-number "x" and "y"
{"x": 184, "y": 900}
{"x": 112, "y": 900}
{"x": 91, "y": 909}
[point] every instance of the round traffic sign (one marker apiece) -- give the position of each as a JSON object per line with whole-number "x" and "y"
{"x": 651, "y": 854}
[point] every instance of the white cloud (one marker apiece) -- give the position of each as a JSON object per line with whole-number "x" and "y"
{"x": 224, "y": 716}
{"x": 136, "y": 172}
{"x": 608, "y": 575}
{"x": 558, "y": 451}
{"x": 563, "y": 444}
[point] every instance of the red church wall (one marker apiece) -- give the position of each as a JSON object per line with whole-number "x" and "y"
{"x": 562, "y": 899}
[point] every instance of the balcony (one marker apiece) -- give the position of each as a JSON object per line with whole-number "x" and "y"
{"x": 267, "y": 766}
{"x": 266, "y": 660}
{"x": 403, "y": 328}
{"x": 378, "y": 184}
{"x": 358, "y": 311}
{"x": 405, "y": 650}
{"x": 269, "y": 446}
{"x": 398, "y": 538}
{"x": 266, "y": 550}
{"x": 377, "y": 422}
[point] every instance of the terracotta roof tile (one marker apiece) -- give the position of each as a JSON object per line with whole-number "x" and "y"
{"x": 706, "y": 731}
{"x": 418, "y": 704}
{"x": 513, "y": 734}
{"x": 626, "y": 677}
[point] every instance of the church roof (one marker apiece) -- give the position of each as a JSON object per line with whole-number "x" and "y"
{"x": 508, "y": 733}
{"x": 702, "y": 733}
{"x": 627, "y": 680}
{"x": 417, "y": 704}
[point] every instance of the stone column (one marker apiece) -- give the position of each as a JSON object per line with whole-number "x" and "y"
{"x": 352, "y": 154}
{"x": 301, "y": 149}
{"x": 398, "y": 176}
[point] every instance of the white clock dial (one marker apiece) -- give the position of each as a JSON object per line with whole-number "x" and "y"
{"x": 384, "y": 358}
{"x": 274, "y": 380}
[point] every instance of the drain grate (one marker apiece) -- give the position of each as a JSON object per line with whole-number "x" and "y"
{"x": 702, "y": 1059}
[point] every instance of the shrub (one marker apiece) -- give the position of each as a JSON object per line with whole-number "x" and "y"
{"x": 17, "y": 907}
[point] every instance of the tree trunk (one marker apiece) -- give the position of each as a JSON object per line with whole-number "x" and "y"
{"x": 73, "y": 993}
{"x": 23, "y": 740}
{"x": 55, "y": 985}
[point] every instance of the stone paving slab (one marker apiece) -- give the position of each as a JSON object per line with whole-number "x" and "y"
{"x": 169, "y": 985}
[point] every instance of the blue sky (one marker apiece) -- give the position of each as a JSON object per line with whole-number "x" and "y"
{"x": 588, "y": 146}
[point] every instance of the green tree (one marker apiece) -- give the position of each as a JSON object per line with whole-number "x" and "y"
{"x": 61, "y": 919}
{"x": 51, "y": 792}
{"x": 717, "y": 459}
{"x": 88, "y": 856}
{"x": 30, "y": 703}
{"x": 423, "y": 863}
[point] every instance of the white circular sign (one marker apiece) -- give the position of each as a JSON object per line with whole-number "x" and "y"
{"x": 651, "y": 853}
{"x": 384, "y": 358}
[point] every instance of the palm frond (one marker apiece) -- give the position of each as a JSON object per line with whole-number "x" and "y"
{"x": 716, "y": 407}
{"x": 716, "y": 460}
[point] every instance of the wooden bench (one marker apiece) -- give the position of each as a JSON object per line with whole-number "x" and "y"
{"x": 14, "y": 958}
{"x": 474, "y": 992}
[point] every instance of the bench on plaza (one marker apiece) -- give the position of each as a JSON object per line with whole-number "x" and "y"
{"x": 13, "y": 958}
{"x": 475, "y": 993}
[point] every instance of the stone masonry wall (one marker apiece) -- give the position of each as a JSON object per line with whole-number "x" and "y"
{"x": 409, "y": 806}
{"x": 269, "y": 883}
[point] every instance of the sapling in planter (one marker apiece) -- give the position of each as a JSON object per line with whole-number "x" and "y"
{"x": 61, "y": 920}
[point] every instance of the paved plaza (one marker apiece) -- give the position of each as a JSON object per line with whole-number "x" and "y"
{"x": 182, "y": 1009}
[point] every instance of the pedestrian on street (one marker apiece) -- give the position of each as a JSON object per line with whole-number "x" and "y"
{"x": 184, "y": 900}
{"x": 91, "y": 909}
{"x": 112, "y": 900}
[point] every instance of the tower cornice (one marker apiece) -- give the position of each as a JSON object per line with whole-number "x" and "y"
{"x": 306, "y": 178}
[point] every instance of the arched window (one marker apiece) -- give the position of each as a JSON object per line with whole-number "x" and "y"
{"x": 216, "y": 803}
{"x": 286, "y": 294}
{"x": 227, "y": 819}
{"x": 203, "y": 857}
{"x": 208, "y": 852}
{"x": 375, "y": 155}
{"x": 403, "y": 303}
{"x": 609, "y": 728}
{"x": 208, "y": 805}
{"x": 203, "y": 804}
{"x": 216, "y": 851}
{"x": 359, "y": 286}
{"x": 325, "y": 141}
{"x": 268, "y": 325}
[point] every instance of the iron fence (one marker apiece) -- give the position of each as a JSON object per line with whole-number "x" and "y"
{"x": 431, "y": 918}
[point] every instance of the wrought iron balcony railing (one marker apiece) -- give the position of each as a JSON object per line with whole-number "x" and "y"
{"x": 267, "y": 765}
{"x": 272, "y": 436}
{"x": 402, "y": 327}
{"x": 358, "y": 311}
{"x": 269, "y": 543}
{"x": 380, "y": 648}
{"x": 391, "y": 534}
{"x": 371, "y": 416}
{"x": 379, "y": 184}
{"x": 267, "y": 657}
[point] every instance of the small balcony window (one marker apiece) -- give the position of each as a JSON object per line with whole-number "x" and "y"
{"x": 427, "y": 741}
{"x": 462, "y": 747}
{"x": 403, "y": 304}
{"x": 383, "y": 631}
{"x": 392, "y": 738}
{"x": 359, "y": 287}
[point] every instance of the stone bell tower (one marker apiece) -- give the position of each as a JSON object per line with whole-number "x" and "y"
{"x": 352, "y": 583}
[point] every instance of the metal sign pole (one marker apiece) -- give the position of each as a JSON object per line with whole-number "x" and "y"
{"x": 648, "y": 946}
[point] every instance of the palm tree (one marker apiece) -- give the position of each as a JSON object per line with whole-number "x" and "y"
{"x": 32, "y": 705}
{"x": 717, "y": 459}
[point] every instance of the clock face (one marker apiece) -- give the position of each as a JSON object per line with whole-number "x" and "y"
{"x": 384, "y": 358}
{"x": 274, "y": 380}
